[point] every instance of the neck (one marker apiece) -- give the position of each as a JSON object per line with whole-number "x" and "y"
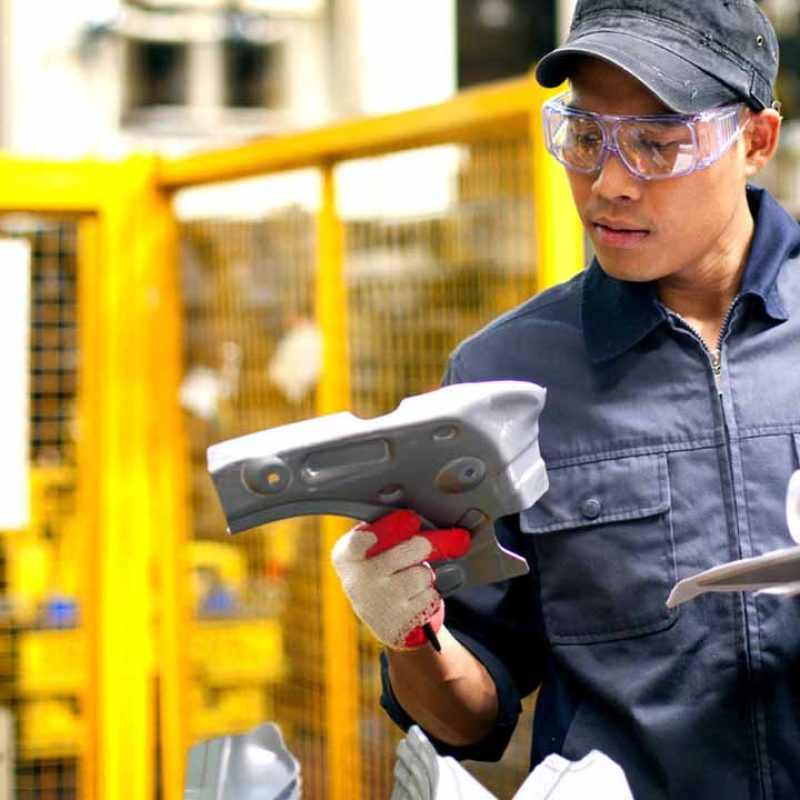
{"x": 703, "y": 294}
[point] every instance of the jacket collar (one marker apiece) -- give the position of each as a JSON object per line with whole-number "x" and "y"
{"x": 616, "y": 315}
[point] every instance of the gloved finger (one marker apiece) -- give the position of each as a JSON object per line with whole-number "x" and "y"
{"x": 396, "y": 527}
{"x": 410, "y": 553}
{"x": 405, "y": 780}
{"x": 401, "y": 790}
{"x": 406, "y": 776}
{"x": 417, "y": 637}
{"x": 352, "y": 546}
{"x": 419, "y": 779}
{"x": 425, "y": 751}
{"x": 447, "y": 543}
{"x": 428, "y": 546}
{"x": 415, "y": 586}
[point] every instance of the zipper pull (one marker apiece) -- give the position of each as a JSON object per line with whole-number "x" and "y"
{"x": 715, "y": 356}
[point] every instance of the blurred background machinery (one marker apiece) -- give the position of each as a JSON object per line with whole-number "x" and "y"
{"x": 169, "y": 312}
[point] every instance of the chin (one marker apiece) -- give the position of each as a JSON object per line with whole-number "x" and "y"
{"x": 624, "y": 270}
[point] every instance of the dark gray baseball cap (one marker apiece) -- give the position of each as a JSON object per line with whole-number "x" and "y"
{"x": 692, "y": 54}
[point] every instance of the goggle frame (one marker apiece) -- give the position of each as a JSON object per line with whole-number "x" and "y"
{"x": 610, "y": 124}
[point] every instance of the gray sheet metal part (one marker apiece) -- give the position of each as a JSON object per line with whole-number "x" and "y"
{"x": 780, "y": 568}
{"x": 248, "y": 766}
{"x": 462, "y": 455}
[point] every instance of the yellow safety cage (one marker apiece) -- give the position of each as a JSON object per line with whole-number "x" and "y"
{"x": 181, "y": 633}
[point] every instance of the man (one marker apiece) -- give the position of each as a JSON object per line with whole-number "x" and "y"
{"x": 671, "y": 427}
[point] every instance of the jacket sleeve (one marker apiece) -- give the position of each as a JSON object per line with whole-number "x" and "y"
{"x": 500, "y": 625}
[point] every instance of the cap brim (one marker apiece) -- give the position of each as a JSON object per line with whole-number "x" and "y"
{"x": 681, "y": 86}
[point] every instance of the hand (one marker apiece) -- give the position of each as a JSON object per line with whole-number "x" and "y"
{"x": 421, "y": 774}
{"x": 384, "y": 572}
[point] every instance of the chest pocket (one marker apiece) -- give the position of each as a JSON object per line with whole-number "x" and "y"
{"x": 602, "y": 535}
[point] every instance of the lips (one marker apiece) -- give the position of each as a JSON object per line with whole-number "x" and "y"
{"x": 618, "y": 233}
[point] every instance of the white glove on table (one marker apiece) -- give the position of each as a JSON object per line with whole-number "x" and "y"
{"x": 595, "y": 775}
{"x": 421, "y": 774}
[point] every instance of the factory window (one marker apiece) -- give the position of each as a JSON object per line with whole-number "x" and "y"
{"x": 157, "y": 73}
{"x": 502, "y": 38}
{"x": 251, "y": 74}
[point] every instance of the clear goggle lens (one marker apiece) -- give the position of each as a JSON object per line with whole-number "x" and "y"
{"x": 651, "y": 147}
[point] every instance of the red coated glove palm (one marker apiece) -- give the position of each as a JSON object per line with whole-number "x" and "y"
{"x": 384, "y": 571}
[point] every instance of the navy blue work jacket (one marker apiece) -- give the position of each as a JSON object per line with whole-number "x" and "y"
{"x": 664, "y": 458}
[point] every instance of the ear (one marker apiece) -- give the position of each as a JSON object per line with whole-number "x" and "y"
{"x": 761, "y": 140}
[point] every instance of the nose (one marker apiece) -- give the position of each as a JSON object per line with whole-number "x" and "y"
{"x": 614, "y": 181}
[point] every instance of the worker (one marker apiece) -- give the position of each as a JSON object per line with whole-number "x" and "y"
{"x": 671, "y": 428}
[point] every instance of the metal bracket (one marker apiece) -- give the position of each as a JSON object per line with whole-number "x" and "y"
{"x": 460, "y": 456}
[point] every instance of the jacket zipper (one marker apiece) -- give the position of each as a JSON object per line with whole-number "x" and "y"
{"x": 715, "y": 360}
{"x": 714, "y": 356}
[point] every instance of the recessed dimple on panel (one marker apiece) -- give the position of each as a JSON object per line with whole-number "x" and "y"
{"x": 336, "y": 463}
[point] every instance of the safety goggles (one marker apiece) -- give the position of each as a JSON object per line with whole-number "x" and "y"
{"x": 651, "y": 147}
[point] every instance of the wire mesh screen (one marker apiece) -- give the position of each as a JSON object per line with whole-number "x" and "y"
{"x": 438, "y": 242}
{"x": 423, "y": 274}
{"x": 252, "y": 355}
{"x": 41, "y": 570}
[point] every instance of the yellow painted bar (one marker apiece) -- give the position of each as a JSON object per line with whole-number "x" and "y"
{"x": 169, "y": 469}
{"x": 122, "y": 298}
{"x": 161, "y": 338}
{"x": 559, "y": 233}
{"x": 89, "y": 475}
{"x": 339, "y": 625}
{"x": 501, "y": 109}
{"x": 56, "y": 186}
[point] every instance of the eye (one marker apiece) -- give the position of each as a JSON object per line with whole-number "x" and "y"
{"x": 584, "y": 134}
{"x": 587, "y": 139}
{"x": 660, "y": 136}
{"x": 658, "y": 146}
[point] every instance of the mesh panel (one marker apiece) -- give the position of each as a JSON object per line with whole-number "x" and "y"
{"x": 418, "y": 286}
{"x": 41, "y": 572}
{"x": 251, "y": 346}
{"x": 438, "y": 242}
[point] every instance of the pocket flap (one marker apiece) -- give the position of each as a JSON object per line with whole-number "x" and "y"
{"x": 599, "y": 492}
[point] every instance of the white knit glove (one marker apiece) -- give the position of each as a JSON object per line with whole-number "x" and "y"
{"x": 384, "y": 572}
{"x": 595, "y": 775}
{"x": 421, "y": 774}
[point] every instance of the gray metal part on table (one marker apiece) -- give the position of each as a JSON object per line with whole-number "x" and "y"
{"x": 460, "y": 456}
{"x": 248, "y": 766}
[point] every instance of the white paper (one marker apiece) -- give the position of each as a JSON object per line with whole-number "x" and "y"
{"x": 15, "y": 281}
{"x": 777, "y": 572}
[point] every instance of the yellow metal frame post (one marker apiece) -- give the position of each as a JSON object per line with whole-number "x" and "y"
{"x": 69, "y": 189}
{"x": 130, "y": 468}
{"x": 144, "y": 489}
{"x": 559, "y": 233}
{"x": 126, "y": 742}
{"x": 89, "y": 477}
{"x": 333, "y": 394}
{"x": 170, "y": 476}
